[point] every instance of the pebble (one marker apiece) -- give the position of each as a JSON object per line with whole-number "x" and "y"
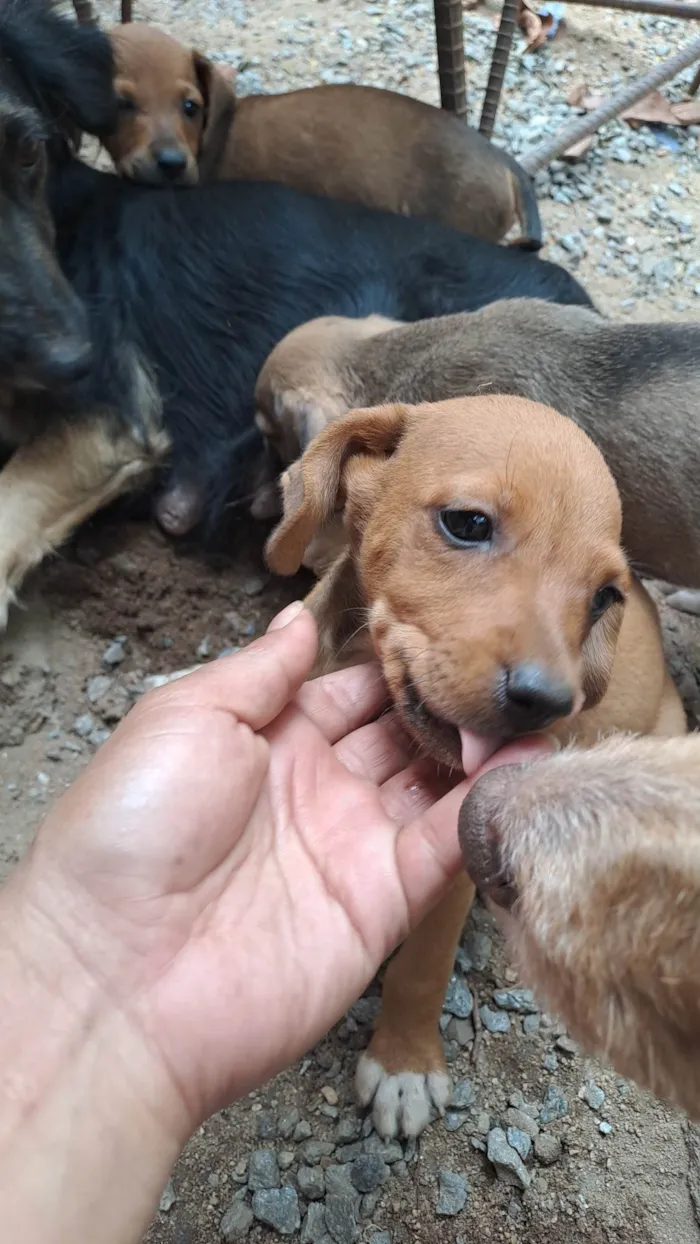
{"x": 267, "y": 1126}
{"x": 478, "y": 947}
{"x": 263, "y": 1170}
{"x": 389, "y": 1150}
{"x": 454, "y": 1120}
{"x": 522, "y": 1122}
{"x": 302, "y": 1131}
{"x": 593, "y": 1095}
{"x": 330, "y": 1095}
{"x": 463, "y": 1095}
{"x": 520, "y": 1141}
{"x": 458, "y": 1000}
{"x": 98, "y": 686}
{"x": 531, "y": 1024}
{"x": 314, "y": 1228}
{"x": 311, "y": 1182}
{"x": 605, "y": 1128}
{"x": 550, "y": 1062}
{"x": 368, "y": 1172}
{"x": 505, "y": 1160}
{"x": 347, "y": 1131}
{"x": 285, "y": 1159}
{"x": 520, "y": 1000}
{"x": 566, "y": 1046}
{"x": 554, "y": 1105}
{"x": 113, "y": 655}
{"x": 494, "y": 1021}
{"x": 278, "y": 1208}
{"x": 168, "y": 1198}
{"x": 348, "y": 1153}
{"x": 341, "y": 1223}
{"x": 84, "y": 725}
{"x": 380, "y": 1237}
{"x": 236, "y": 1222}
{"x": 460, "y": 1030}
{"x": 204, "y": 648}
{"x": 313, "y": 1150}
{"x": 548, "y": 1148}
{"x": 453, "y": 1190}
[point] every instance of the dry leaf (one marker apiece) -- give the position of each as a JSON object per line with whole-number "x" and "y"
{"x": 653, "y": 109}
{"x": 578, "y": 149}
{"x": 533, "y": 26}
{"x": 468, "y": 5}
{"x": 687, "y": 113}
{"x": 579, "y": 97}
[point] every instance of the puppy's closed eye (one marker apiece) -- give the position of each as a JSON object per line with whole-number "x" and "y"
{"x": 465, "y": 528}
{"x": 604, "y": 599}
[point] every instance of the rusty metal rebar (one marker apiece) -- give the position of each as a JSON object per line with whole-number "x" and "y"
{"x": 126, "y": 10}
{"x": 499, "y": 64}
{"x": 449, "y": 37}
{"x": 540, "y": 156}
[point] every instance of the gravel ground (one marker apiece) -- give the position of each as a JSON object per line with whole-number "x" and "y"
{"x": 540, "y": 1143}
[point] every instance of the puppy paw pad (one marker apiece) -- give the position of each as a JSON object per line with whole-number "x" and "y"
{"x": 403, "y": 1103}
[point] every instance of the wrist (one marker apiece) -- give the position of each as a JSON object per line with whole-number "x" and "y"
{"x": 90, "y": 1121}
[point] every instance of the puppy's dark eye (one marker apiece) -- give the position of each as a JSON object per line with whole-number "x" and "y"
{"x": 604, "y": 599}
{"x": 191, "y": 108}
{"x": 126, "y": 104}
{"x": 465, "y": 527}
{"x": 29, "y": 154}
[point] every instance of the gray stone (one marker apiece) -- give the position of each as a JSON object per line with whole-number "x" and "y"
{"x": 520, "y": 1141}
{"x": 453, "y": 1190}
{"x": 311, "y": 1182}
{"x": 341, "y": 1222}
{"x": 347, "y": 1131}
{"x": 605, "y": 1128}
{"x": 380, "y": 1237}
{"x": 505, "y": 1160}
{"x": 84, "y": 725}
{"x": 531, "y": 1025}
{"x": 302, "y": 1131}
{"x": 463, "y": 1095}
{"x": 522, "y": 1121}
{"x": 593, "y": 1095}
{"x": 348, "y": 1153}
{"x": 365, "y": 1010}
{"x": 339, "y": 1183}
{"x": 548, "y": 1148}
{"x": 454, "y": 1119}
{"x": 389, "y": 1151}
{"x": 494, "y": 1021}
{"x": 168, "y": 1198}
{"x": 236, "y": 1222}
{"x": 263, "y": 1170}
{"x": 478, "y": 946}
{"x": 278, "y": 1208}
{"x": 368, "y": 1172}
{"x": 369, "y": 1204}
{"x": 313, "y": 1150}
{"x": 566, "y": 1046}
{"x": 285, "y": 1159}
{"x": 314, "y": 1227}
{"x": 554, "y": 1105}
{"x": 267, "y": 1127}
{"x": 520, "y": 1000}
{"x": 458, "y": 1000}
{"x": 114, "y": 654}
{"x": 286, "y": 1123}
{"x": 460, "y": 1030}
{"x": 97, "y": 687}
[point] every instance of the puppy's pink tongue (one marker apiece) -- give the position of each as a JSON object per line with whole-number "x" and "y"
{"x": 476, "y": 750}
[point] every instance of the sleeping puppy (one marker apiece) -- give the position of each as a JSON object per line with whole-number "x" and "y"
{"x": 632, "y": 387}
{"x": 181, "y": 121}
{"x": 479, "y": 558}
{"x": 595, "y": 856}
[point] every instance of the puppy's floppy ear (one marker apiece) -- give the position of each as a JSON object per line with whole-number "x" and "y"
{"x": 219, "y": 106}
{"x": 598, "y": 655}
{"x": 313, "y": 486}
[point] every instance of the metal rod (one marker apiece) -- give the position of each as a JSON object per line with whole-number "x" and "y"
{"x": 84, "y": 12}
{"x": 126, "y": 10}
{"x": 539, "y": 157}
{"x": 661, "y": 8}
{"x": 499, "y": 64}
{"x": 695, "y": 84}
{"x": 449, "y": 37}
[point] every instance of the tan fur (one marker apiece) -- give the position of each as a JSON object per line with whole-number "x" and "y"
{"x": 354, "y": 143}
{"x": 607, "y": 921}
{"x": 449, "y": 620}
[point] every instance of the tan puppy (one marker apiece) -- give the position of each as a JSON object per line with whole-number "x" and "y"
{"x": 482, "y": 563}
{"x": 355, "y": 143}
{"x": 597, "y": 857}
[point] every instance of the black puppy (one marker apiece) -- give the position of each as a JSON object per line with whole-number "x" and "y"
{"x": 186, "y": 293}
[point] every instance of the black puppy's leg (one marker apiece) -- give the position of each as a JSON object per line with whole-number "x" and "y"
{"x": 52, "y": 484}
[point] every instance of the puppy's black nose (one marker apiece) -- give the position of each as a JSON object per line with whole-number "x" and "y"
{"x": 535, "y": 698}
{"x": 64, "y": 361}
{"x": 171, "y": 162}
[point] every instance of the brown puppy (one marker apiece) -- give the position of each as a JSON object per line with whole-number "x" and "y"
{"x": 482, "y": 563}
{"x": 632, "y": 387}
{"x": 181, "y": 119}
{"x": 597, "y": 857}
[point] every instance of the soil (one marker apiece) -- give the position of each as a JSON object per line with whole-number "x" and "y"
{"x": 173, "y": 606}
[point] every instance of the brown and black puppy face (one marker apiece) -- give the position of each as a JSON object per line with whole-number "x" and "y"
{"x": 162, "y": 107}
{"x": 485, "y": 535}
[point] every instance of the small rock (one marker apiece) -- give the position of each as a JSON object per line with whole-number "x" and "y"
{"x": 547, "y": 1148}
{"x": 463, "y": 1095}
{"x": 520, "y": 1000}
{"x": 330, "y": 1095}
{"x": 168, "y": 1198}
{"x": 84, "y": 725}
{"x": 267, "y": 1127}
{"x": 566, "y": 1046}
{"x": 347, "y": 1131}
{"x": 348, "y": 1153}
{"x": 341, "y": 1223}
{"x": 97, "y": 737}
{"x": 523, "y": 1122}
{"x": 204, "y": 649}
{"x": 313, "y": 1150}
{"x": 314, "y": 1228}
{"x": 593, "y": 1095}
{"x": 365, "y": 1010}
{"x": 478, "y": 947}
{"x": 389, "y": 1151}
{"x": 505, "y": 1160}
{"x": 285, "y": 1159}
{"x": 452, "y": 1193}
{"x": 554, "y": 1105}
{"x": 278, "y": 1208}
{"x": 369, "y": 1204}
{"x": 368, "y": 1172}
{"x": 311, "y": 1182}
{"x": 458, "y": 1000}
{"x": 236, "y": 1222}
{"x": 380, "y": 1237}
{"x": 454, "y": 1120}
{"x": 339, "y": 1183}
{"x": 549, "y": 1061}
{"x": 286, "y": 1123}
{"x": 113, "y": 655}
{"x": 97, "y": 687}
{"x": 605, "y": 1128}
{"x": 494, "y": 1021}
{"x": 520, "y": 1141}
{"x": 531, "y": 1025}
{"x": 460, "y": 1030}
{"x": 263, "y": 1170}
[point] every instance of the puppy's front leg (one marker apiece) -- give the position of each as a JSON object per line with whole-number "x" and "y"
{"x": 403, "y": 1072}
{"x": 53, "y": 483}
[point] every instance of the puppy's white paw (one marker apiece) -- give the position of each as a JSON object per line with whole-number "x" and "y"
{"x": 686, "y": 600}
{"x": 403, "y": 1103}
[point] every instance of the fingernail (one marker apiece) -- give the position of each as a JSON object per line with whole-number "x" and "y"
{"x": 286, "y": 616}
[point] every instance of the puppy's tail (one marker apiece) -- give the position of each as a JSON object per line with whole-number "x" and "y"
{"x": 527, "y": 209}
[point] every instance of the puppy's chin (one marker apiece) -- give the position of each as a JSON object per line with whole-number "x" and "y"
{"x": 146, "y": 172}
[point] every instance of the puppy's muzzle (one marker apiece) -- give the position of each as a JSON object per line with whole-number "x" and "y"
{"x": 480, "y": 836}
{"x": 534, "y": 698}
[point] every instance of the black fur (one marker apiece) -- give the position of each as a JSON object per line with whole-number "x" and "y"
{"x": 203, "y": 282}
